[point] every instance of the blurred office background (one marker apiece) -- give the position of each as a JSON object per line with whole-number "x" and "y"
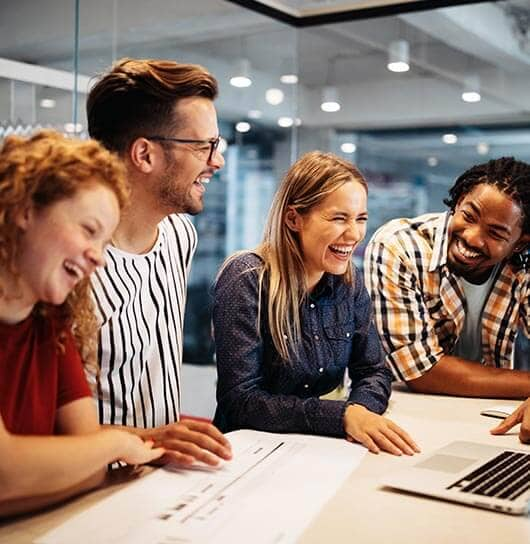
{"x": 414, "y": 96}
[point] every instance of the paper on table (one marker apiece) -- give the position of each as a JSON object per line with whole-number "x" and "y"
{"x": 268, "y": 493}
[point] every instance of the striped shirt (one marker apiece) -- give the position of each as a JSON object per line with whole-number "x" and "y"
{"x": 419, "y": 305}
{"x": 140, "y": 302}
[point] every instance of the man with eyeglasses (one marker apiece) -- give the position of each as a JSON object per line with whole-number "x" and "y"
{"x": 160, "y": 118}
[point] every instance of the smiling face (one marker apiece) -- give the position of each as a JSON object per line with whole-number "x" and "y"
{"x": 187, "y": 167}
{"x": 485, "y": 230}
{"x": 64, "y": 242}
{"x": 329, "y": 232}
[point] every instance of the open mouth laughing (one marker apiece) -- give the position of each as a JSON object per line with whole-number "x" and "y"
{"x": 201, "y": 182}
{"x": 465, "y": 254}
{"x": 75, "y": 272}
{"x": 341, "y": 251}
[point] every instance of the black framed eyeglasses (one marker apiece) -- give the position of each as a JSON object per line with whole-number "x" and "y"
{"x": 214, "y": 143}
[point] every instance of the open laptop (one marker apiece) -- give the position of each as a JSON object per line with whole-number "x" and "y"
{"x": 471, "y": 473}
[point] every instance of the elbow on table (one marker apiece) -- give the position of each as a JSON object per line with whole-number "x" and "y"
{"x": 20, "y": 501}
{"x": 424, "y": 384}
{"x": 11, "y": 482}
{"x": 8, "y": 489}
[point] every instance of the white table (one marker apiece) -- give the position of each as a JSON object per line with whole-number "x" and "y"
{"x": 363, "y": 511}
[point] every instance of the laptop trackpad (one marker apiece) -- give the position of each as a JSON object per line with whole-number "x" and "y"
{"x": 446, "y": 463}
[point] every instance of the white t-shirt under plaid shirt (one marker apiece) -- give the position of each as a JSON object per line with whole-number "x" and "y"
{"x": 140, "y": 301}
{"x": 419, "y": 305}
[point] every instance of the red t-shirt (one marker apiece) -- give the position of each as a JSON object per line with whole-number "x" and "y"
{"x": 36, "y": 377}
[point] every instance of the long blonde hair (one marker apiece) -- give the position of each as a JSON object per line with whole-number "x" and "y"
{"x": 39, "y": 171}
{"x": 307, "y": 183}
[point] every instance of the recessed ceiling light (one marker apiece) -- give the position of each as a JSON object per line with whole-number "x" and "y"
{"x": 449, "y": 138}
{"x": 289, "y": 79}
{"x": 241, "y": 78}
{"x": 432, "y": 161}
{"x": 348, "y": 147}
{"x": 242, "y": 126}
{"x": 240, "y": 81}
{"x": 330, "y": 100}
{"x": 471, "y": 91}
{"x": 72, "y": 128}
{"x": 398, "y": 56}
{"x": 47, "y": 103}
{"x": 471, "y": 96}
{"x": 285, "y": 122}
{"x": 274, "y": 96}
{"x": 483, "y": 148}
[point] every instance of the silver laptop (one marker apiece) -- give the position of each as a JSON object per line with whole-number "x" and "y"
{"x": 471, "y": 473}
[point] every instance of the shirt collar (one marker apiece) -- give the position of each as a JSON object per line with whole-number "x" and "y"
{"x": 441, "y": 241}
{"x": 325, "y": 287}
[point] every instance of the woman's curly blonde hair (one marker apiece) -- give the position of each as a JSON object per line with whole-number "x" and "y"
{"x": 38, "y": 171}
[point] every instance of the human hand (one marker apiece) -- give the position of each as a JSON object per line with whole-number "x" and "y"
{"x": 135, "y": 450}
{"x": 188, "y": 441}
{"x": 376, "y": 432}
{"x": 522, "y": 416}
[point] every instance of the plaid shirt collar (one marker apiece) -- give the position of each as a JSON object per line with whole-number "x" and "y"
{"x": 441, "y": 241}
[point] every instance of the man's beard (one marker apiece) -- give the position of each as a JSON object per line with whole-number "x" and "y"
{"x": 172, "y": 197}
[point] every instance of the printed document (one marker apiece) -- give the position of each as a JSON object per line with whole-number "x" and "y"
{"x": 272, "y": 489}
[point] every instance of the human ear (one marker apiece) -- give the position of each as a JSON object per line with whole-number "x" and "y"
{"x": 522, "y": 244}
{"x": 292, "y": 219}
{"x": 521, "y": 253}
{"x": 141, "y": 154}
{"x": 23, "y": 217}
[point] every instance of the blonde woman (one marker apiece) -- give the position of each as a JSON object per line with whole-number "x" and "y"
{"x": 292, "y": 315}
{"x": 60, "y": 201}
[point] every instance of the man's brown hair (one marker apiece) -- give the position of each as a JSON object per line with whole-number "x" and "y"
{"x": 137, "y": 98}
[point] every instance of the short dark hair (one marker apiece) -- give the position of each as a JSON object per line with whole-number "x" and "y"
{"x": 136, "y": 98}
{"x": 506, "y": 174}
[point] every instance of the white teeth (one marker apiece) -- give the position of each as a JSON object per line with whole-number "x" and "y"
{"x": 467, "y": 252}
{"x": 74, "y": 269}
{"x": 345, "y": 250}
{"x": 205, "y": 180}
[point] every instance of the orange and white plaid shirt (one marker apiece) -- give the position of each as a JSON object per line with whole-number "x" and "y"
{"x": 419, "y": 305}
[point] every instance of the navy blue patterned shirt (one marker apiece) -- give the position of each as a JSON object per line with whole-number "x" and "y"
{"x": 257, "y": 389}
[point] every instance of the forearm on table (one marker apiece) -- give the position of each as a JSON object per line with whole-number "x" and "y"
{"x": 456, "y": 376}
{"x": 31, "y": 503}
{"x": 269, "y": 412}
{"x": 370, "y": 386}
{"x": 34, "y": 465}
{"x": 371, "y": 396}
{"x": 143, "y": 433}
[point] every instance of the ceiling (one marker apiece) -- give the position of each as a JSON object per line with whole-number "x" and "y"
{"x": 488, "y": 40}
{"x": 301, "y": 13}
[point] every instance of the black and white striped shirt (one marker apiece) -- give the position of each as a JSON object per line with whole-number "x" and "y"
{"x": 140, "y": 302}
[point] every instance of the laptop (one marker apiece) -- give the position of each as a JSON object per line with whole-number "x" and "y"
{"x": 471, "y": 473}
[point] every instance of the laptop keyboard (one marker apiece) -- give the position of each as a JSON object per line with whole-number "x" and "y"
{"x": 507, "y": 476}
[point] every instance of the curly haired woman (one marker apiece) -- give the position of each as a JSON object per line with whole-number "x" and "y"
{"x": 60, "y": 202}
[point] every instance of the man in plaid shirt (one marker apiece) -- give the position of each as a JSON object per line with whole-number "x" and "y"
{"x": 450, "y": 290}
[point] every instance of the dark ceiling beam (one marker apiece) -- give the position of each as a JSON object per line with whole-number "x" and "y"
{"x": 347, "y": 15}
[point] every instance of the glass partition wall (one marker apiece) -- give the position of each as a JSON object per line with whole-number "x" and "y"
{"x": 413, "y": 99}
